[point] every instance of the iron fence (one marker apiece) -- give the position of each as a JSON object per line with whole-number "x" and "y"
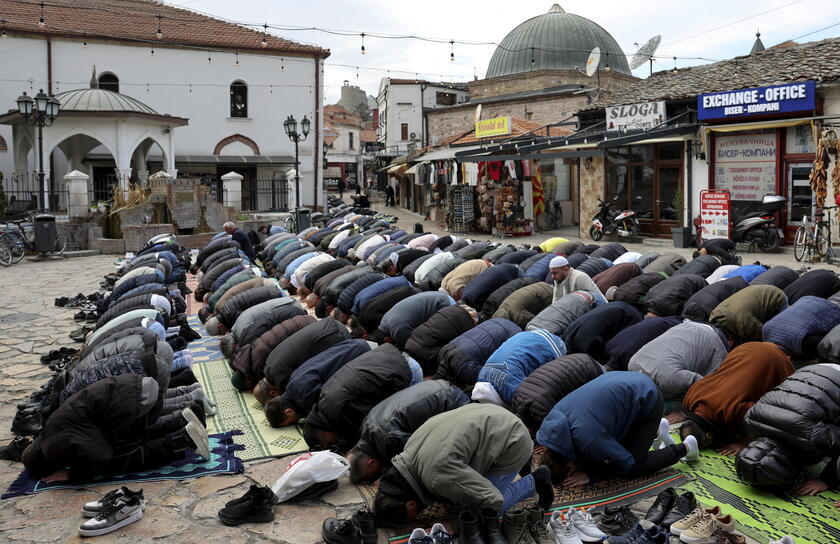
{"x": 24, "y": 189}
{"x": 261, "y": 195}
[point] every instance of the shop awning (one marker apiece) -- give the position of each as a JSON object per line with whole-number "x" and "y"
{"x": 653, "y": 136}
{"x": 759, "y": 125}
{"x": 413, "y": 169}
{"x": 235, "y": 159}
{"x": 397, "y": 169}
{"x": 447, "y": 153}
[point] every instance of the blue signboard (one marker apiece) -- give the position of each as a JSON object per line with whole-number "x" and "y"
{"x": 786, "y": 98}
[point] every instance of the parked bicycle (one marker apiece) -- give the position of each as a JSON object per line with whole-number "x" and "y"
{"x": 5, "y": 256}
{"x": 551, "y": 219}
{"x": 20, "y": 239}
{"x": 813, "y": 239}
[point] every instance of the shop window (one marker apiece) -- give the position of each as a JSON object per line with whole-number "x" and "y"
{"x": 745, "y": 165}
{"x": 670, "y": 208}
{"x": 238, "y": 99}
{"x": 404, "y": 131}
{"x": 109, "y": 82}
{"x": 798, "y": 140}
{"x": 445, "y": 99}
{"x": 642, "y": 191}
{"x": 671, "y": 151}
{"x": 350, "y": 135}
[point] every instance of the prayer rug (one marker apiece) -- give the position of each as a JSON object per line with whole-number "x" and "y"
{"x": 763, "y": 514}
{"x": 223, "y": 460}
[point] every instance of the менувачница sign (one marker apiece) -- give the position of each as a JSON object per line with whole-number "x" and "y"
{"x": 786, "y": 98}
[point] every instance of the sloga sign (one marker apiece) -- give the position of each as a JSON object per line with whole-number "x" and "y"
{"x": 787, "y": 98}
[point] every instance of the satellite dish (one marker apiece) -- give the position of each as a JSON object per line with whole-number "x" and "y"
{"x": 593, "y": 61}
{"x": 645, "y": 52}
{"x": 477, "y": 114}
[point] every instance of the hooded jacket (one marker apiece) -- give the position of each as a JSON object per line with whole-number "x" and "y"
{"x": 293, "y": 351}
{"x": 306, "y": 381}
{"x": 460, "y": 360}
{"x": 702, "y": 303}
{"x": 250, "y": 358}
{"x": 702, "y": 266}
{"x": 388, "y": 426}
{"x": 778, "y": 276}
{"x": 368, "y": 293}
{"x": 449, "y": 455}
{"x": 348, "y": 295}
{"x": 411, "y": 268}
{"x": 525, "y": 303}
{"x": 610, "y": 251}
{"x": 817, "y": 283}
{"x": 679, "y": 357}
{"x": 217, "y": 257}
{"x": 322, "y": 270}
{"x": 588, "y": 425}
{"x": 744, "y": 313}
{"x": 624, "y": 345}
{"x": 337, "y": 285}
{"x": 547, "y": 385}
{"x": 539, "y": 269}
{"x": 459, "y": 277}
{"x": 400, "y": 321}
{"x": 669, "y": 297}
{"x": 667, "y": 264}
{"x": 434, "y": 277}
{"x": 590, "y": 332}
{"x": 483, "y": 285}
{"x": 808, "y": 316}
{"x": 562, "y": 312}
{"x": 234, "y": 306}
{"x": 358, "y": 386}
{"x": 517, "y": 257}
{"x": 495, "y": 299}
{"x": 635, "y": 290}
{"x": 616, "y": 275}
{"x": 212, "y": 247}
{"x": 427, "y": 339}
{"x": 371, "y": 315}
{"x": 232, "y": 282}
{"x": 257, "y": 319}
{"x": 593, "y": 266}
{"x": 252, "y": 283}
{"x": 431, "y": 263}
{"x": 217, "y": 270}
{"x": 324, "y": 281}
{"x": 498, "y": 252}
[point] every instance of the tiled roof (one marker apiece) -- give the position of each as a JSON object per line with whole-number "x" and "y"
{"x": 137, "y": 21}
{"x": 451, "y": 84}
{"x": 814, "y": 60}
{"x": 338, "y": 115}
{"x": 518, "y": 127}
{"x": 368, "y": 136}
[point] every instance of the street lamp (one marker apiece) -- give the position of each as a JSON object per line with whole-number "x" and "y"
{"x": 40, "y": 112}
{"x": 290, "y": 125}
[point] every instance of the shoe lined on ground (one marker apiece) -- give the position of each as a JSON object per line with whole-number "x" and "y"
{"x": 253, "y": 507}
{"x": 92, "y": 508}
{"x": 679, "y": 526}
{"x": 114, "y": 515}
{"x": 492, "y": 532}
{"x": 515, "y": 527}
{"x": 585, "y": 525}
{"x": 365, "y": 522}
{"x": 419, "y": 536}
{"x": 79, "y": 334}
{"x": 661, "y": 506}
{"x": 538, "y": 527}
{"x": 701, "y": 532}
{"x": 14, "y": 450}
{"x": 469, "y": 528}
{"x": 617, "y": 520}
{"x": 254, "y": 490}
{"x": 683, "y": 506}
{"x": 439, "y": 535}
{"x": 628, "y": 537}
{"x": 340, "y": 531}
{"x": 563, "y": 529}
{"x": 724, "y": 537}
{"x": 543, "y": 487}
{"x": 198, "y": 438}
{"x": 652, "y": 535}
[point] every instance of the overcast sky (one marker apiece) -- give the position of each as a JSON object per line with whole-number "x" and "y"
{"x": 714, "y": 29}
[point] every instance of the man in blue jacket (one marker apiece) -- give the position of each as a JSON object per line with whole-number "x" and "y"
{"x": 520, "y": 355}
{"x": 605, "y": 428}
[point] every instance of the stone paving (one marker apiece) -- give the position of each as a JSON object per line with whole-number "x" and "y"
{"x": 31, "y": 325}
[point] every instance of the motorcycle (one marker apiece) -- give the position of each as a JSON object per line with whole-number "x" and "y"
{"x": 759, "y": 228}
{"x": 623, "y": 223}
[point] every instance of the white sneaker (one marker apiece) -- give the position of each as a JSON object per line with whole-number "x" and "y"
{"x": 693, "y": 449}
{"x": 198, "y": 435}
{"x": 585, "y": 525}
{"x": 563, "y": 530}
{"x": 785, "y": 540}
{"x": 123, "y": 511}
{"x": 418, "y": 536}
{"x": 664, "y": 434}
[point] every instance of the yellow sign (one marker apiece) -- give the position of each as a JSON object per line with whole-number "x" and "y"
{"x": 498, "y": 126}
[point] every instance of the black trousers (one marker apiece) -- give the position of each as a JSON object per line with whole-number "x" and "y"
{"x": 639, "y": 438}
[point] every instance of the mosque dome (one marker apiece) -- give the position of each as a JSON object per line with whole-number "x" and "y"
{"x": 101, "y": 100}
{"x": 555, "y": 41}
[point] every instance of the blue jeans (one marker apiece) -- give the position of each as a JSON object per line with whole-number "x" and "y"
{"x": 416, "y": 370}
{"x": 512, "y": 492}
{"x": 498, "y": 375}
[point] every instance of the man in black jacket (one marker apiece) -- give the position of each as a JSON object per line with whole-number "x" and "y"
{"x": 390, "y": 423}
{"x": 244, "y": 242}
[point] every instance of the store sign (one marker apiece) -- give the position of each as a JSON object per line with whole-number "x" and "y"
{"x": 745, "y": 165}
{"x": 636, "y": 116}
{"x": 787, "y": 98}
{"x": 498, "y": 126}
{"x": 714, "y": 214}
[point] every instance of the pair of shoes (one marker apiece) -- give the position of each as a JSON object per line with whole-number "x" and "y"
{"x": 680, "y": 525}
{"x": 701, "y": 532}
{"x": 723, "y": 537}
{"x": 359, "y": 529}
{"x": 617, "y": 520}
{"x": 641, "y": 535}
{"x": 437, "y": 535}
{"x": 663, "y": 504}
{"x": 79, "y": 334}
{"x": 27, "y": 422}
{"x": 88, "y": 316}
{"x": 483, "y": 529}
{"x": 526, "y": 526}
{"x": 14, "y": 450}
{"x": 255, "y": 506}
{"x": 574, "y": 527}
{"x": 194, "y": 413}
{"x": 684, "y": 505}
{"x": 59, "y": 355}
{"x": 113, "y": 511}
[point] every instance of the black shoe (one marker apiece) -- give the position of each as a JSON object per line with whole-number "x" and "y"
{"x": 61, "y": 301}
{"x": 81, "y": 316}
{"x": 188, "y": 334}
{"x": 661, "y": 506}
{"x": 542, "y": 484}
{"x": 26, "y": 423}
{"x": 254, "y": 491}
{"x": 492, "y": 530}
{"x": 617, "y": 520}
{"x": 683, "y": 506}
{"x": 79, "y": 334}
{"x": 255, "y": 509}
{"x": 365, "y": 522}
{"x": 14, "y": 450}
{"x": 340, "y": 531}
{"x": 314, "y": 491}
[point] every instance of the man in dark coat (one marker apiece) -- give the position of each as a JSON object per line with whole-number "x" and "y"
{"x": 445, "y": 325}
{"x": 371, "y": 315}
{"x": 400, "y": 321}
{"x": 743, "y": 314}
{"x": 702, "y": 303}
{"x": 306, "y": 382}
{"x": 497, "y": 297}
{"x": 817, "y": 283}
{"x": 237, "y": 235}
{"x": 779, "y": 276}
{"x": 590, "y": 332}
{"x": 722, "y": 248}
{"x": 483, "y": 285}
{"x": 390, "y": 423}
{"x": 621, "y": 347}
{"x": 669, "y": 297}
{"x": 460, "y": 360}
{"x": 348, "y": 396}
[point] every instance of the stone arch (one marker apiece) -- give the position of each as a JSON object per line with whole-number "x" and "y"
{"x": 237, "y": 138}
{"x": 102, "y": 140}
{"x": 147, "y": 140}
{"x": 3, "y": 145}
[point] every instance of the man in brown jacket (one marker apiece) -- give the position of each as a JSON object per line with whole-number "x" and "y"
{"x": 455, "y": 281}
{"x": 715, "y": 406}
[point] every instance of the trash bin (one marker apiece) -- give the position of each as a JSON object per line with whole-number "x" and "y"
{"x": 681, "y": 236}
{"x": 45, "y": 233}
{"x": 303, "y": 219}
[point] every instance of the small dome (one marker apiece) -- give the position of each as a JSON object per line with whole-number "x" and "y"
{"x": 555, "y": 41}
{"x": 101, "y": 100}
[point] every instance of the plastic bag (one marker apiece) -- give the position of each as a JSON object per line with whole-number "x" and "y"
{"x": 308, "y": 469}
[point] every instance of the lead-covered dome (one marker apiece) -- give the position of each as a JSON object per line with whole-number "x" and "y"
{"x": 101, "y": 100}
{"x": 555, "y": 41}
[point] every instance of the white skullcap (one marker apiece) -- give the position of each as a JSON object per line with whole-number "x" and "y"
{"x": 558, "y": 262}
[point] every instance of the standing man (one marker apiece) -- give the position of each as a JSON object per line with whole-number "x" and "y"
{"x": 240, "y": 237}
{"x": 568, "y": 280}
{"x": 341, "y": 186}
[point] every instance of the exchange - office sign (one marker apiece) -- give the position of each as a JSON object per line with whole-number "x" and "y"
{"x": 787, "y": 98}
{"x": 636, "y": 116}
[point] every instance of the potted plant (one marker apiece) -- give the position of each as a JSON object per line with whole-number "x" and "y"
{"x": 680, "y": 234}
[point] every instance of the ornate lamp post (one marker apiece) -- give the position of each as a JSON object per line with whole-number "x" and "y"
{"x": 40, "y": 112}
{"x": 290, "y": 125}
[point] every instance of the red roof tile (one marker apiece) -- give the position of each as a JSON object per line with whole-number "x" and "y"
{"x": 518, "y": 127}
{"x": 137, "y": 21}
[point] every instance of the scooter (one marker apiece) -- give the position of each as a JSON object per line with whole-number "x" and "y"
{"x": 759, "y": 228}
{"x": 622, "y": 223}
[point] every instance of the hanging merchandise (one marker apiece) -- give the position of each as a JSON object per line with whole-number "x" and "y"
{"x": 508, "y": 211}
{"x": 486, "y": 190}
{"x": 461, "y": 214}
{"x": 819, "y": 172}
{"x": 539, "y": 195}
{"x": 833, "y": 142}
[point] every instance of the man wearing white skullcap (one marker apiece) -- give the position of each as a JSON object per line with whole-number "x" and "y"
{"x": 567, "y": 280}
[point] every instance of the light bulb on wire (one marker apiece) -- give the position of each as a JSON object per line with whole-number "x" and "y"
{"x": 41, "y": 21}
{"x": 159, "y": 33}
{"x": 363, "y": 43}
{"x": 452, "y": 50}
{"x": 264, "y": 42}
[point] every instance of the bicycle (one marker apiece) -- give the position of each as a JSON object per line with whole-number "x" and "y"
{"x": 22, "y": 239}
{"x": 810, "y": 242}
{"x": 550, "y": 220}
{"x": 5, "y": 256}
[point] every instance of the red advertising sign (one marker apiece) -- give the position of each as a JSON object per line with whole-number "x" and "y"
{"x": 714, "y": 214}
